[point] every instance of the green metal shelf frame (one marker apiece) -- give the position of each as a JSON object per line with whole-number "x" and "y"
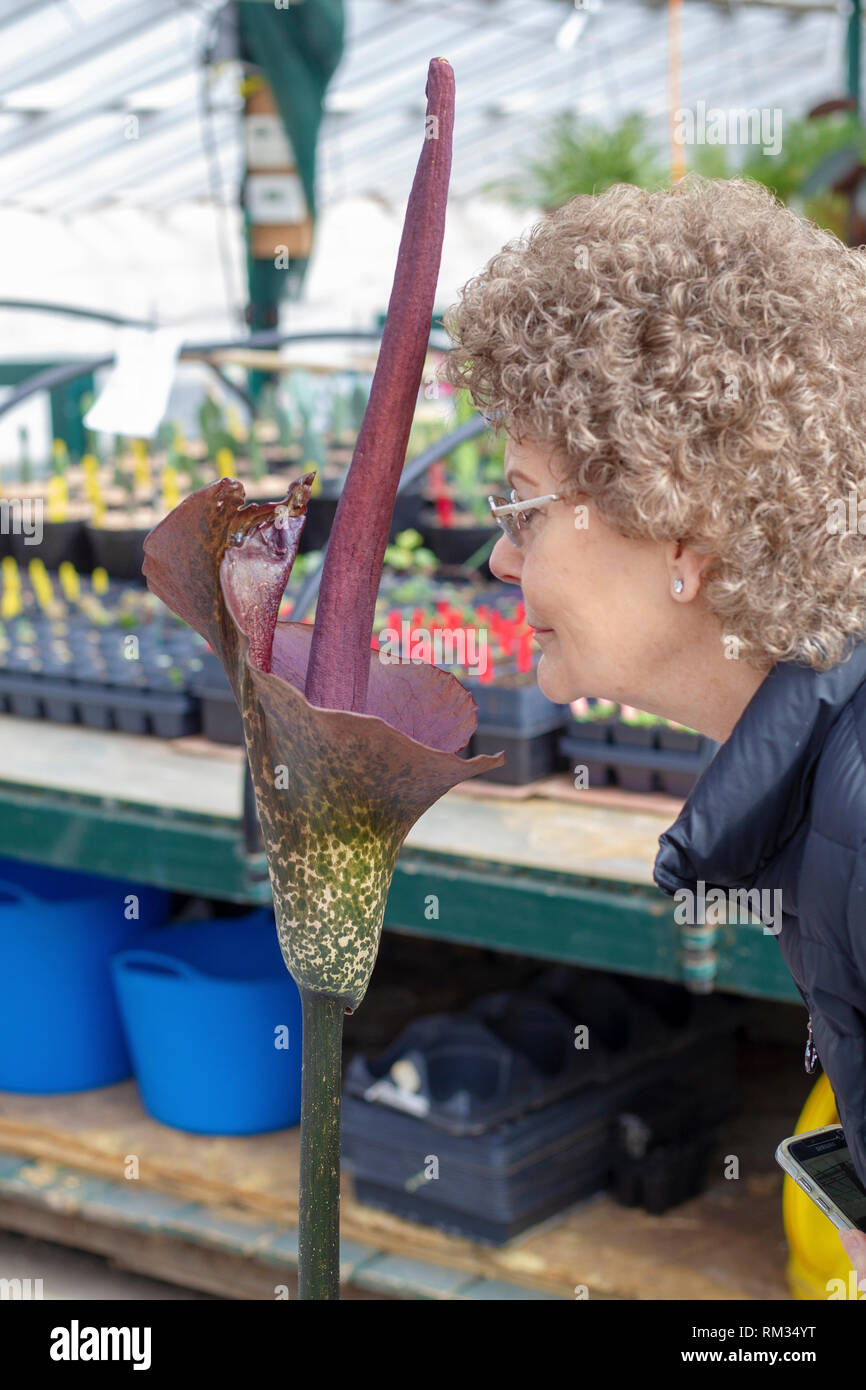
{"x": 549, "y": 915}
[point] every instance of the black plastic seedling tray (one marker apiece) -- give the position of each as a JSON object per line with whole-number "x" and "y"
{"x": 528, "y": 756}
{"x": 138, "y": 711}
{"x": 220, "y": 716}
{"x": 493, "y": 1185}
{"x": 515, "y": 1052}
{"x": 518, "y": 709}
{"x": 635, "y": 765}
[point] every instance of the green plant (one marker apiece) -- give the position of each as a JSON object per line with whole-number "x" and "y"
{"x": 214, "y": 430}
{"x": 359, "y": 398}
{"x": 583, "y": 156}
{"x": 466, "y": 462}
{"x": 806, "y": 145}
{"x": 586, "y": 713}
{"x": 423, "y": 434}
{"x": 639, "y": 717}
{"x": 408, "y": 552}
{"x": 258, "y": 466}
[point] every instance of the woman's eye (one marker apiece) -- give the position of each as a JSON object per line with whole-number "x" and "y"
{"x": 526, "y": 518}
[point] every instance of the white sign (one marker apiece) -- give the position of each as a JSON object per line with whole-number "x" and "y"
{"x": 134, "y": 399}
{"x": 274, "y": 199}
{"x": 267, "y": 143}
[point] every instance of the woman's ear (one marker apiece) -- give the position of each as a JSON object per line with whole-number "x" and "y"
{"x": 685, "y": 568}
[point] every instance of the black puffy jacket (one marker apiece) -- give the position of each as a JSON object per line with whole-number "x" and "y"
{"x": 782, "y": 806}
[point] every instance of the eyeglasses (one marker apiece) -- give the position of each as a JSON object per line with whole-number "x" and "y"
{"x": 512, "y": 514}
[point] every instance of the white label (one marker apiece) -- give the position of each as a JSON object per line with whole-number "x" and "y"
{"x": 134, "y": 398}
{"x": 391, "y": 1095}
{"x": 267, "y": 143}
{"x": 272, "y": 199}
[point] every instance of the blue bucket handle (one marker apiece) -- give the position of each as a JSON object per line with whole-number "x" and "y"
{"x": 139, "y": 956}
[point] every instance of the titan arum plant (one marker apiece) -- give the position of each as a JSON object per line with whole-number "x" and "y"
{"x": 345, "y": 752}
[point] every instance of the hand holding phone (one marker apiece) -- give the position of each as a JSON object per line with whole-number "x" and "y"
{"x": 820, "y": 1163}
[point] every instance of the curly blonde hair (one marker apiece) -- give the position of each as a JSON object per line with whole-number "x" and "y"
{"x": 696, "y": 358}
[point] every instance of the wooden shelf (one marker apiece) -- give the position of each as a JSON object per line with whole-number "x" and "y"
{"x": 240, "y": 1195}
{"x": 559, "y": 876}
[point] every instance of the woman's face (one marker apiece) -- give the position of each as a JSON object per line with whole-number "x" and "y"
{"x": 606, "y": 619}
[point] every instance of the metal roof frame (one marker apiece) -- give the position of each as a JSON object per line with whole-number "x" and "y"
{"x": 90, "y": 42}
{"x": 498, "y": 47}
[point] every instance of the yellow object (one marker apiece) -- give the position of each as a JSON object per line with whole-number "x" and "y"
{"x": 225, "y": 462}
{"x": 142, "y": 462}
{"x": 93, "y": 492}
{"x": 42, "y": 586}
{"x": 60, "y": 452}
{"x": 9, "y": 570}
{"x": 235, "y": 423}
{"x": 99, "y": 580}
{"x": 58, "y": 498}
{"x": 69, "y": 581}
{"x": 316, "y": 484}
{"x": 170, "y": 488}
{"x": 816, "y": 1255}
{"x": 10, "y": 604}
{"x": 179, "y": 440}
{"x": 248, "y": 85}
{"x": 90, "y": 464}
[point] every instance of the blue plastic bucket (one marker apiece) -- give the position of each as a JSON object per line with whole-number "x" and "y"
{"x": 213, "y": 1022}
{"x": 60, "y": 1028}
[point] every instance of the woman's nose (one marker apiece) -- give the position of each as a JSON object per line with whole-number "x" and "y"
{"x": 505, "y": 560}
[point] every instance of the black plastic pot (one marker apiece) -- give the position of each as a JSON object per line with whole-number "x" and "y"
{"x": 120, "y": 552}
{"x": 599, "y": 771}
{"x": 220, "y": 716}
{"x": 454, "y": 545}
{"x": 518, "y": 707}
{"x": 635, "y": 778}
{"x": 636, "y": 763}
{"x": 22, "y": 694}
{"x": 407, "y": 512}
{"x": 61, "y": 540}
{"x": 321, "y": 511}
{"x": 317, "y": 527}
{"x": 528, "y": 755}
{"x": 672, "y": 782}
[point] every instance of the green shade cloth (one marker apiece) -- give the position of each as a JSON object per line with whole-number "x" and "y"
{"x": 297, "y": 50}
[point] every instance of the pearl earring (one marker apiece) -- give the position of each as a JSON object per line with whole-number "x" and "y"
{"x": 678, "y": 586}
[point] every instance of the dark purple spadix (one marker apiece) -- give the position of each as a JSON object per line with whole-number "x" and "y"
{"x": 339, "y": 664}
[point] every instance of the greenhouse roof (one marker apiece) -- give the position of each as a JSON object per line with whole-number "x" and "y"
{"x": 105, "y": 103}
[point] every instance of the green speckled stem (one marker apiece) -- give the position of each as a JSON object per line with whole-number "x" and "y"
{"x": 319, "y": 1191}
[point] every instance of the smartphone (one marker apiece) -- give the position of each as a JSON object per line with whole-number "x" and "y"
{"x": 820, "y": 1163}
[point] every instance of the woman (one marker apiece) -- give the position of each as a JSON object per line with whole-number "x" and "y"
{"x": 682, "y": 379}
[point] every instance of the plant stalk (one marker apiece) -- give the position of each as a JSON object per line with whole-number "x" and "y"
{"x": 319, "y": 1190}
